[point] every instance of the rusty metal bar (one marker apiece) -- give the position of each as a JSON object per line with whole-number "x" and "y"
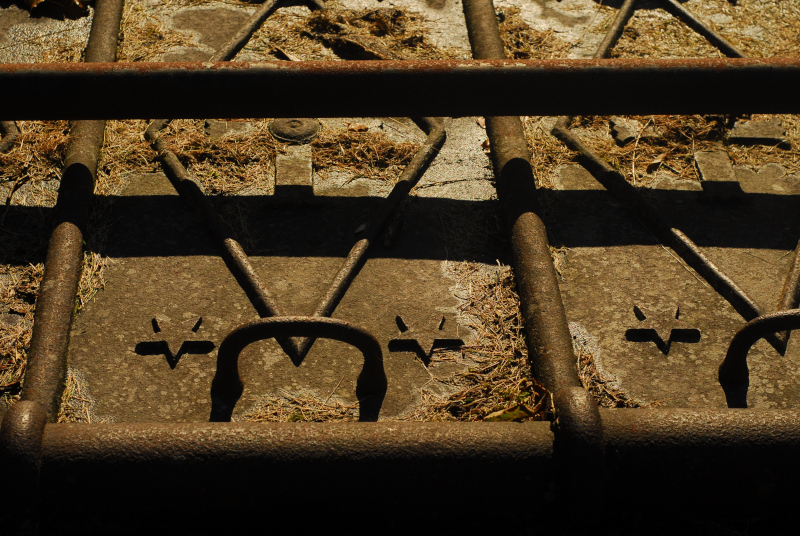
{"x": 689, "y": 19}
{"x": 734, "y": 375}
{"x": 626, "y": 11}
{"x": 357, "y": 256}
{"x": 547, "y": 335}
{"x": 614, "y": 32}
{"x": 334, "y": 477}
{"x": 8, "y": 134}
{"x": 227, "y": 387}
{"x": 46, "y": 369}
{"x": 695, "y": 458}
{"x": 489, "y": 87}
{"x": 235, "y": 258}
{"x": 731, "y": 463}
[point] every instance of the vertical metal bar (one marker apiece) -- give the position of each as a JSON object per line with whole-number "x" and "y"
{"x": 547, "y": 335}
{"x": 44, "y": 378}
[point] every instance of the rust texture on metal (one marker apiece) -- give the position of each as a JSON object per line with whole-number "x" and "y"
{"x": 234, "y": 256}
{"x": 790, "y": 292}
{"x": 227, "y": 387}
{"x": 615, "y": 30}
{"x": 46, "y": 369}
{"x": 256, "y": 468}
{"x": 8, "y": 134}
{"x": 547, "y": 335}
{"x": 734, "y": 375}
{"x": 21, "y": 460}
{"x": 357, "y": 256}
{"x": 708, "y": 462}
{"x": 706, "y": 457}
{"x": 486, "y": 87}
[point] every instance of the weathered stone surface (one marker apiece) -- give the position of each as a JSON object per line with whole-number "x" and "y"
{"x": 211, "y": 27}
{"x": 714, "y": 165}
{"x": 767, "y": 132}
{"x": 718, "y": 178}
{"x": 294, "y": 172}
{"x": 219, "y": 129}
{"x": 614, "y": 266}
{"x": 626, "y": 130}
{"x": 166, "y": 272}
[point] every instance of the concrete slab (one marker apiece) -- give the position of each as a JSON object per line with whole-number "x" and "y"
{"x": 294, "y": 172}
{"x": 767, "y": 132}
{"x": 632, "y": 297}
{"x": 146, "y": 345}
{"x": 26, "y": 39}
{"x": 211, "y": 26}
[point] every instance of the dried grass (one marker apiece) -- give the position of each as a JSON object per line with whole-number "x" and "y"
{"x": 305, "y": 407}
{"x": 77, "y": 405}
{"x": 500, "y": 383}
{"x": 522, "y": 42}
{"x": 339, "y": 33}
{"x": 368, "y": 154}
{"x": 604, "y": 390}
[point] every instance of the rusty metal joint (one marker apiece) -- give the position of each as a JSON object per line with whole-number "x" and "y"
{"x": 21, "y": 437}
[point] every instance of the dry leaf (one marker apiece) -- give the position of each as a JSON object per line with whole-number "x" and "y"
{"x": 481, "y": 122}
{"x": 486, "y": 147}
{"x": 656, "y": 163}
{"x": 357, "y": 127}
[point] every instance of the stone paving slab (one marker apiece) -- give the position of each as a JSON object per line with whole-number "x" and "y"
{"x": 617, "y": 281}
{"x": 165, "y": 272}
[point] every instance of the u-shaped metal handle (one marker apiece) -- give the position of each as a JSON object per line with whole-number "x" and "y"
{"x": 227, "y": 387}
{"x": 734, "y": 375}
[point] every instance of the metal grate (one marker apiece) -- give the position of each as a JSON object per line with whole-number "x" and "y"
{"x": 375, "y": 476}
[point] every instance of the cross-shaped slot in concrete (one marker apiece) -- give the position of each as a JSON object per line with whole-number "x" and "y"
{"x": 171, "y": 339}
{"x": 662, "y": 328}
{"x": 423, "y": 342}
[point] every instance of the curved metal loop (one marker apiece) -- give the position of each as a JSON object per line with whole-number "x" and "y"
{"x": 734, "y": 375}
{"x": 227, "y": 387}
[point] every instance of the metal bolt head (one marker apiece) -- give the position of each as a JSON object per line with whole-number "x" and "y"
{"x": 294, "y": 130}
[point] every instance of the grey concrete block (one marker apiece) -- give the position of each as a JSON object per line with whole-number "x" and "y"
{"x": 768, "y": 132}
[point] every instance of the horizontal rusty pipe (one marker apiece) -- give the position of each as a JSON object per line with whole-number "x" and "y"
{"x": 317, "y": 477}
{"x": 47, "y": 357}
{"x": 488, "y": 87}
{"x": 546, "y": 332}
{"x": 133, "y": 473}
{"x": 731, "y": 463}
{"x": 227, "y": 387}
{"x": 734, "y": 375}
